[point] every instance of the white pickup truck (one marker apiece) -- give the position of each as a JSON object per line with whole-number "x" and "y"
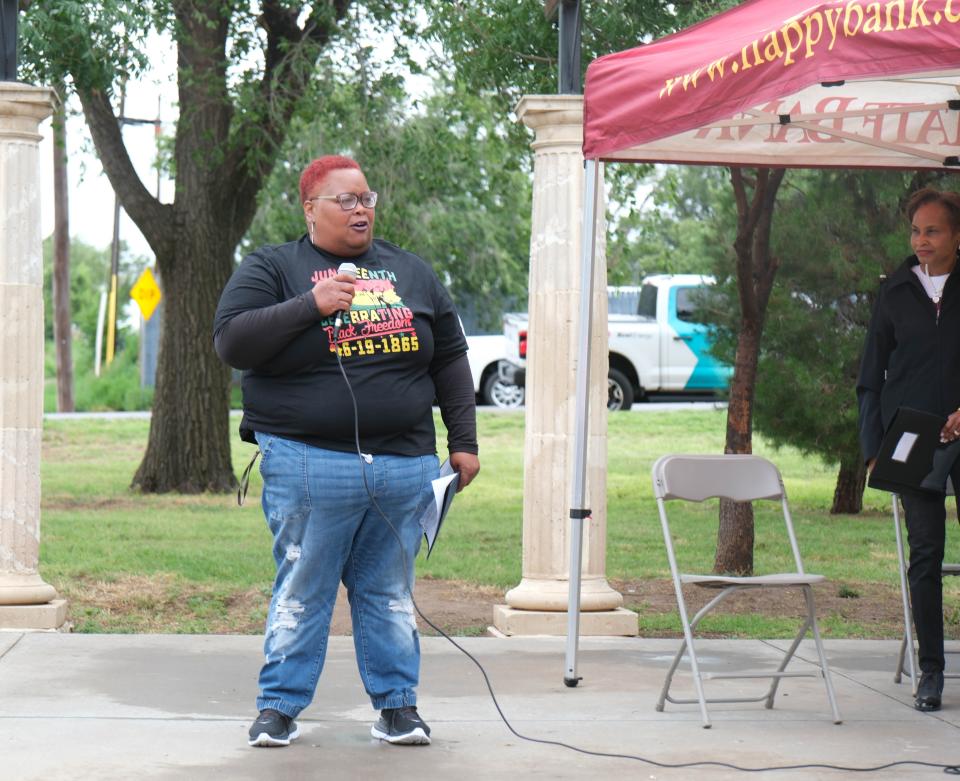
{"x": 485, "y": 352}
{"x": 656, "y": 345}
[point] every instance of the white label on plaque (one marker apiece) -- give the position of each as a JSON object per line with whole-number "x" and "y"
{"x": 902, "y": 451}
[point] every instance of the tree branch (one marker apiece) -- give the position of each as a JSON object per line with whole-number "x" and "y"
{"x": 290, "y": 54}
{"x": 742, "y": 248}
{"x": 205, "y": 107}
{"x": 766, "y": 264}
{"x": 153, "y": 218}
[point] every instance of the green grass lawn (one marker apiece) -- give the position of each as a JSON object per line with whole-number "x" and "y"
{"x": 132, "y": 562}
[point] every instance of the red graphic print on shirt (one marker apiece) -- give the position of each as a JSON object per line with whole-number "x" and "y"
{"x": 378, "y": 321}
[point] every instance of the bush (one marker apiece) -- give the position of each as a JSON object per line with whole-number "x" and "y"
{"x": 116, "y": 389}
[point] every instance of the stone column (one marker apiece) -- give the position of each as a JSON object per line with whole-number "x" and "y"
{"x": 26, "y": 601}
{"x": 538, "y": 604}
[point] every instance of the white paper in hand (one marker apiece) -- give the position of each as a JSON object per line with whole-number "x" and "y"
{"x": 444, "y": 488}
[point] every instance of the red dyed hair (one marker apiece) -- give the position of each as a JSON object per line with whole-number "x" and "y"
{"x": 318, "y": 169}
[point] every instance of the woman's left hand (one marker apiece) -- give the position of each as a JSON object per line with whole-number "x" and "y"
{"x": 467, "y": 464}
{"x": 951, "y": 429}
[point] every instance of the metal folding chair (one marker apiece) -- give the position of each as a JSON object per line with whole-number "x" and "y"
{"x": 908, "y": 640}
{"x": 742, "y": 478}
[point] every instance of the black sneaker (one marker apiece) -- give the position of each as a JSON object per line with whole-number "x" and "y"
{"x": 401, "y": 725}
{"x": 273, "y": 728}
{"x": 929, "y": 691}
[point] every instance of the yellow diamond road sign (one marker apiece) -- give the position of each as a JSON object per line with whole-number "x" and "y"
{"x": 146, "y": 293}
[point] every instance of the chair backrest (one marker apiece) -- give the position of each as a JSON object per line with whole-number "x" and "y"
{"x": 696, "y": 478}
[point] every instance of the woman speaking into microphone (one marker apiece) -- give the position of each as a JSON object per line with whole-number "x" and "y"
{"x": 345, "y": 341}
{"x": 911, "y": 358}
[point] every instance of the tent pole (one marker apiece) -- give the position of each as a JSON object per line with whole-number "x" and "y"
{"x": 578, "y": 510}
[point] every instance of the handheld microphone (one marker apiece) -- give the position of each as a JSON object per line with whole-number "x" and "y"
{"x": 350, "y": 270}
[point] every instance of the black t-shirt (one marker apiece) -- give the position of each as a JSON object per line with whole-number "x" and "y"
{"x": 401, "y": 329}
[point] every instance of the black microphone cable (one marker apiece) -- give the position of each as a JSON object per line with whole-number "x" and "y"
{"x": 949, "y": 769}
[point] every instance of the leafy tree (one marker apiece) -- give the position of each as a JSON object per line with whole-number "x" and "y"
{"x": 678, "y": 227}
{"x": 89, "y": 274}
{"x": 243, "y": 70}
{"x": 820, "y": 308}
{"x": 451, "y": 187}
{"x": 755, "y": 267}
{"x": 508, "y": 48}
{"x": 811, "y": 353}
{"x": 699, "y": 214}
{"x": 499, "y": 44}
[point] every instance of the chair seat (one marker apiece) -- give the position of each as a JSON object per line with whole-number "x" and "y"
{"x": 783, "y": 579}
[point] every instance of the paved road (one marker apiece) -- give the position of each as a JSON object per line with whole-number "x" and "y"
{"x": 646, "y": 406}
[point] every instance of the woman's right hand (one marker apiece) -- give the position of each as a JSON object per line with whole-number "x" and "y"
{"x": 951, "y": 429}
{"x": 333, "y": 294}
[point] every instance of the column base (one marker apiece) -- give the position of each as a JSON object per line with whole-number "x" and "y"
{"x": 620, "y": 622}
{"x": 554, "y": 594}
{"x": 17, "y": 588}
{"x": 52, "y": 615}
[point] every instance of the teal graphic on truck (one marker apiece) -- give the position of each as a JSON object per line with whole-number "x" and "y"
{"x": 656, "y": 343}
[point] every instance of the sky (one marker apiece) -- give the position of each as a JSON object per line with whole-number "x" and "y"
{"x": 91, "y": 199}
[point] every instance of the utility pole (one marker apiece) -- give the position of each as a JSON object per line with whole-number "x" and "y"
{"x": 115, "y": 245}
{"x": 115, "y": 257}
{"x": 62, "y": 330}
{"x": 150, "y": 328}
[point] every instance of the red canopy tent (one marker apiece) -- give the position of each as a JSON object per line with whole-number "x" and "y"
{"x": 801, "y": 83}
{"x": 781, "y": 82}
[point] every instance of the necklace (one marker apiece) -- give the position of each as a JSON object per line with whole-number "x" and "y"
{"x": 935, "y": 293}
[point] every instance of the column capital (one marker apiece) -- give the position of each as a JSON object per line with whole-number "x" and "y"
{"x": 23, "y": 107}
{"x": 556, "y": 119}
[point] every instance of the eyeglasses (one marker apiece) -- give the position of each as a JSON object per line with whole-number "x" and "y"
{"x": 349, "y": 201}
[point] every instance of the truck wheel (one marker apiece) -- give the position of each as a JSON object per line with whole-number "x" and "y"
{"x": 500, "y": 394}
{"x": 619, "y": 391}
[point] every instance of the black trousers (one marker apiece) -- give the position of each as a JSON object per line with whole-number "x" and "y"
{"x": 926, "y": 534}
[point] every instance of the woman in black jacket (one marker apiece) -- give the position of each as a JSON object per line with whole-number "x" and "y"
{"x": 912, "y": 358}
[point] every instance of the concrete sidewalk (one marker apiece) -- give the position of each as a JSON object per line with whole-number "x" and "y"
{"x": 106, "y": 707}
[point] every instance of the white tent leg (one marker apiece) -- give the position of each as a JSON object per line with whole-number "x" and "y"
{"x": 578, "y": 511}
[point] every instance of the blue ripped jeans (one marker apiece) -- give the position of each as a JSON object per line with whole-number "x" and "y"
{"x": 325, "y": 529}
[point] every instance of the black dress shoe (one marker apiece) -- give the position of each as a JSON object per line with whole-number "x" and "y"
{"x": 929, "y": 691}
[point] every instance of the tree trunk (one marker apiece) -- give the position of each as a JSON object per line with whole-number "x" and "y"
{"x": 62, "y": 330}
{"x": 189, "y": 446}
{"x": 848, "y": 494}
{"x": 735, "y": 532}
{"x": 734, "y": 539}
{"x": 756, "y": 270}
{"x": 222, "y": 156}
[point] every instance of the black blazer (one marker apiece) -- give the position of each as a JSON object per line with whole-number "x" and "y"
{"x": 909, "y": 358}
